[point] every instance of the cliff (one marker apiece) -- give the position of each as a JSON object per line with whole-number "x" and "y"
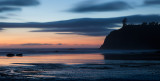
{"x": 134, "y": 37}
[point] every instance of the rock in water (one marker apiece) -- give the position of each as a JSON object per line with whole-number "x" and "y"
{"x": 144, "y": 36}
{"x": 10, "y": 55}
{"x": 20, "y": 55}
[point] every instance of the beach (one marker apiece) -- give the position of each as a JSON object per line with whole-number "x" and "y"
{"x": 78, "y": 65}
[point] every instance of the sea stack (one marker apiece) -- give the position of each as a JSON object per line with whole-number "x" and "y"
{"x": 143, "y": 36}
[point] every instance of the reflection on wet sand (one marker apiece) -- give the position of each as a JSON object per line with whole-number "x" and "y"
{"x": 88, "y": 67}
{"x": 59, "y": 58}
{"x": 132, "y": 56}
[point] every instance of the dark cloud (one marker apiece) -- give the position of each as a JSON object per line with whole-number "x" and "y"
{"x": 83, "y": 26}
{"x": 109, "y": 6}
{"x": 60, "y": 44}
{"x": 19, "y": 3}
{"x": 90, "y": 31}
{"x": 91, "y": 6}
{"x": 39, "y": 44}
{"x": 152, "y": 2}
{"x": 12, "y": 5}
{"x": 4, "y": 9}
{"x": 1, "y": 29}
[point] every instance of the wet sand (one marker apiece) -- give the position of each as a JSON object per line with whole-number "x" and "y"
{"x": 84, "y": 67}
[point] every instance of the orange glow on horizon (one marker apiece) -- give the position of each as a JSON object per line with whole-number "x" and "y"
{"x": 17, "y": 36}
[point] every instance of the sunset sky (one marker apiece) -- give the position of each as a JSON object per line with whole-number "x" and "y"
{"x": 68, "y": 23}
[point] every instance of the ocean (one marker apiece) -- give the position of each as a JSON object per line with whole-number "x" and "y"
{"x": 79, "y": 64}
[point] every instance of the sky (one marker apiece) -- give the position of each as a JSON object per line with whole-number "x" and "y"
{"x": 68, "y": 23}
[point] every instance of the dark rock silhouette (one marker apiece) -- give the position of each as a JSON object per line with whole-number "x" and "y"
{"x": 144, "y": 36}
{"x": 20, "y": 55}
{"x": 10, "y": 55}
